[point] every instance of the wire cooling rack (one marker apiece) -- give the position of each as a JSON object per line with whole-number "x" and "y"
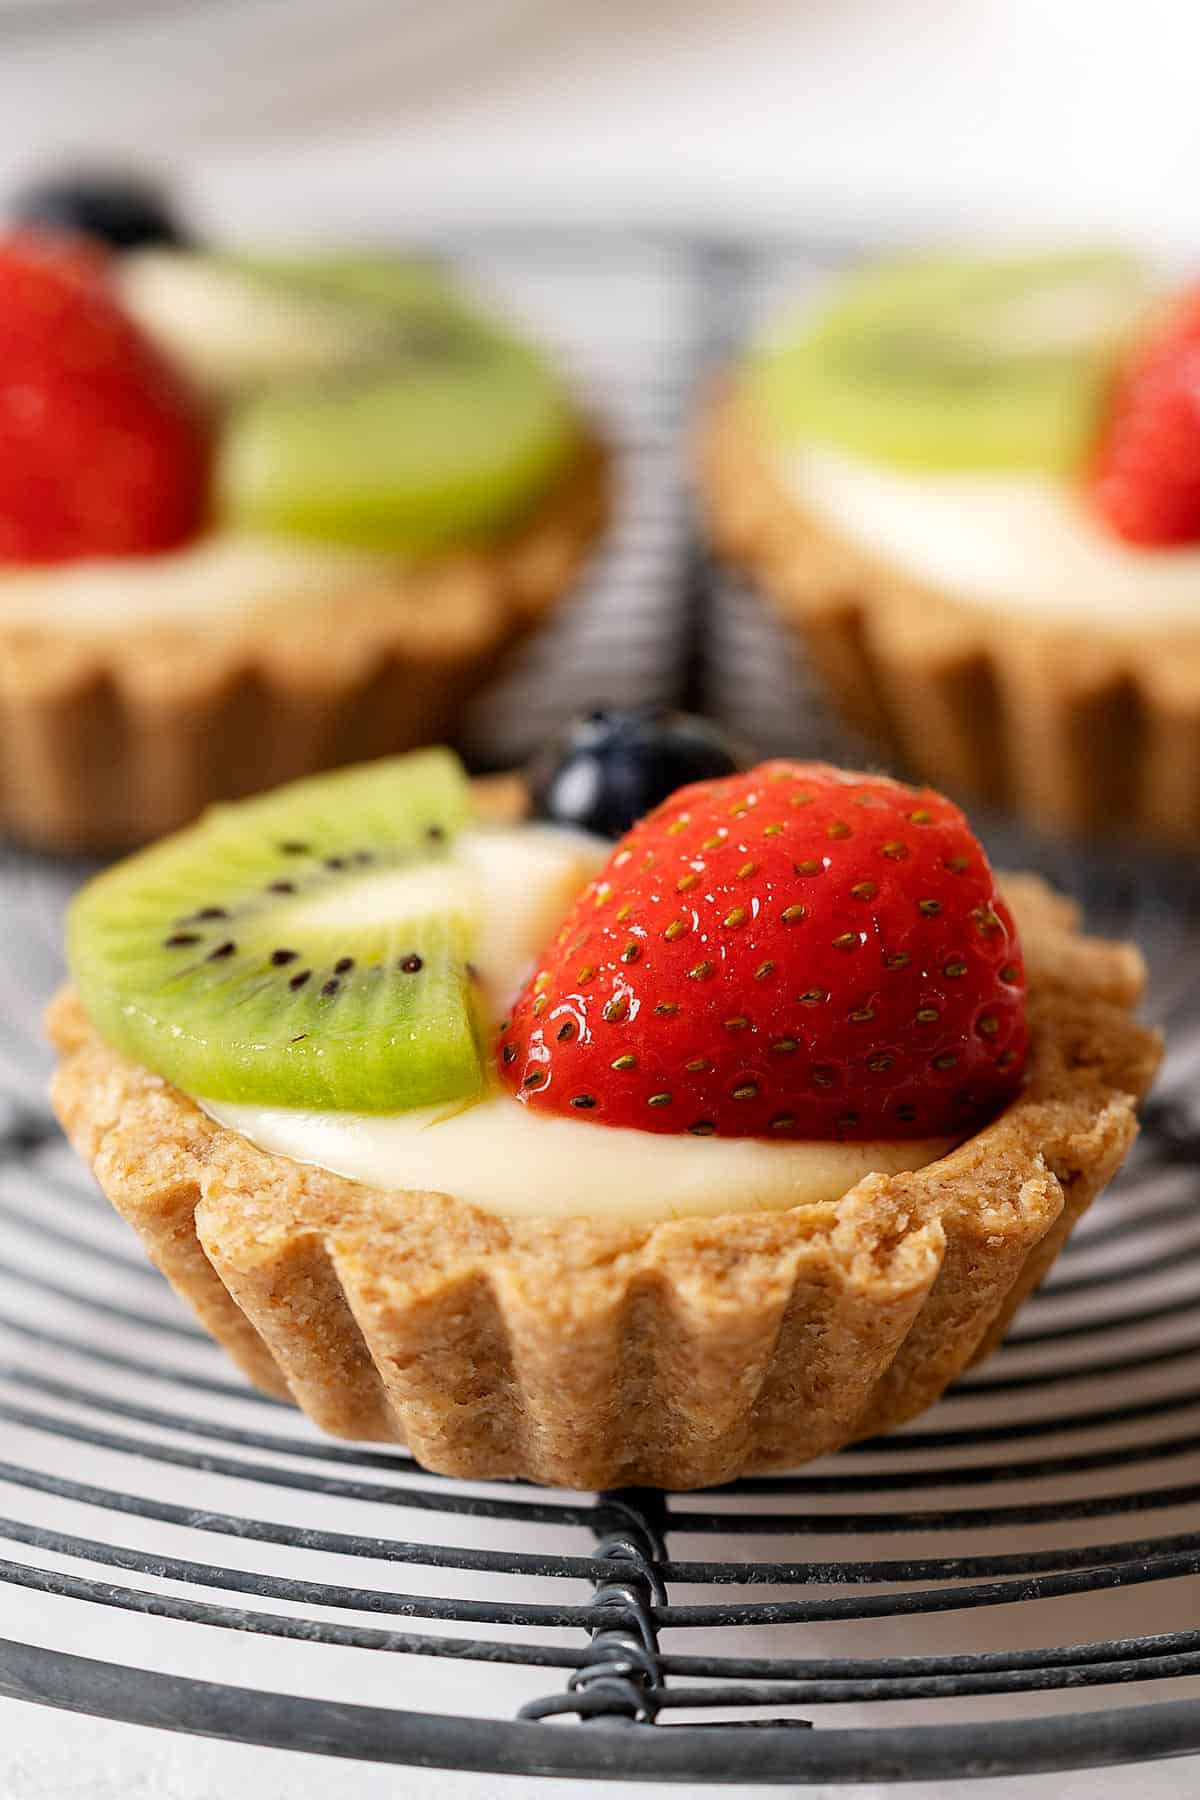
{"x": 1008, "y": 1585}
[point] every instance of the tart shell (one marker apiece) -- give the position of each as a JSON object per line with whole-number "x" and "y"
{"x": 112, "y": 738}
{"x": 1085, "y": 730}
{"x": 597, "y": 1354}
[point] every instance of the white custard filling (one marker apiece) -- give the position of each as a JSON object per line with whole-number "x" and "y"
{"x": 222, "y": 572}
{"x": 503, "y": 1157}
{"x": 1020, "y": 542}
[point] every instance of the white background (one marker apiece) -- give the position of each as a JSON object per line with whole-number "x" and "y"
{"x": 285, "y": 118}
{"x": 1019, "y": 117}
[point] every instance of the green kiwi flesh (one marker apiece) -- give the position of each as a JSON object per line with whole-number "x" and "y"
{"x": 459, "y": 431}
{"x": 956, "y": 363}
{"x": 363, "y": 402}
{"x": 395, "y": 287}
{"x": 243, "y": 960}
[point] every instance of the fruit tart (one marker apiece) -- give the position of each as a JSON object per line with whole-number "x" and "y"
{"x": 973, "y": 488}
{"x": 659, "y": 1161}
{"x": 258, "y": 517}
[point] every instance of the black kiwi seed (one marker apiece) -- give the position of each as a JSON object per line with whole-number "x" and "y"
{"x": 412, "y": 965}
{"x": 178, "y": 938}
{"x": 281, "y": 887}
{"x": 290, "y": 847}
{"x": 343, "y": 965}
{"x": 280, "y": 957}
{"x": 299, "y": 980}
{"x": 335, "y": 862}
{"x": 331, "y": 986}
{"x": 228, "y": 948}
{"x": 299, "y": 1037}
{"x": 210, "y": 912}
{"x": 435, "y": 833}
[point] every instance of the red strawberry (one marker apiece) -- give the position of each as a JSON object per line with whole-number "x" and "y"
{"x": 103, "y": 450}
{"x": 794, "y": 952}
{"x": 1146, "y": 482}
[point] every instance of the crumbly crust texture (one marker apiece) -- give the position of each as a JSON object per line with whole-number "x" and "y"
{"x": 597, "y": 1354}
{"x": 111, "y": 738}
{"x": 1084, "y": 729}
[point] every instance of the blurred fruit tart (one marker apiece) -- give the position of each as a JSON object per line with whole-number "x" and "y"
{"x": 705, "y": 1151}
{"x": 973, "y": 489}
{"x": 257, "y": 518}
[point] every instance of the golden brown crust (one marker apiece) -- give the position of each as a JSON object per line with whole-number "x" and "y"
{"x": 595, "y": 1354}
{"x": 108, "y": 739}
{"x": 1081, "y": 730}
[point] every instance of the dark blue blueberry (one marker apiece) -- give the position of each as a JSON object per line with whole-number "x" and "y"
{"x": 122, "y": 211}
{"x": 608, "y": 769}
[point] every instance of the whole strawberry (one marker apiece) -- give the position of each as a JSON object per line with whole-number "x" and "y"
{"x": 793, "y": 952}
{"x": 103, "y": 451}
{"x": 1146, "y": 482}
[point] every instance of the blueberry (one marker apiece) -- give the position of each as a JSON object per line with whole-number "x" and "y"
{"x": 610, "y": 767}
{"x": 122, "y": 211}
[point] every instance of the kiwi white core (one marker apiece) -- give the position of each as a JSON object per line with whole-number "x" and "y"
{"x": 515, "y": 886}
{"x": 1055, "y": 319}
{"x": 1016, "y": 543}
{"x": 225, "y": 329}
{"x": 392, "y": 896}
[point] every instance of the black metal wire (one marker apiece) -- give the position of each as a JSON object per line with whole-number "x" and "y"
{"x": 620, "y": 1677}
{"x": 600, "y": 1566}
{"x": 943, "y": 1475}
{"x": 724, "y": 1753}
{"x": 1142, "y": 1499}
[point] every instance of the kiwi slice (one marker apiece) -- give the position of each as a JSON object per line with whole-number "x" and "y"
{"x": 403, "y": 285}
{"x": 365, "y": 403}
{"x": 237, "y": 323}
{"x": 448, "y": 440}
{"x": 308, "y": 948}
{"x": 956, "y": 363}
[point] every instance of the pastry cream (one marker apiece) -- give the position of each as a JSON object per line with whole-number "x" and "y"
{"x": 223, "y": 572}
{"x": 493, "y": 1153}
{"x": 1025, "y": 543}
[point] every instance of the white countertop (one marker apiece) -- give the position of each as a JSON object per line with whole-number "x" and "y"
{"x": 907, "y": 116}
